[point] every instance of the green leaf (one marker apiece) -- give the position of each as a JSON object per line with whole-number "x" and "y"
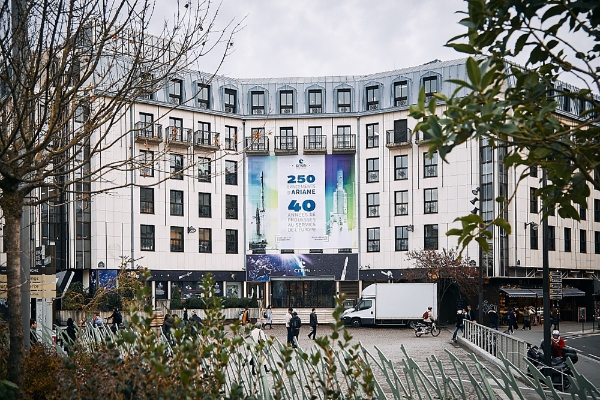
{"x": 483, "y": 244}
{"x": 463, "y": 48}
{"x": 473, "y": 71}
{"x": 502, "y": 223}
{"x": 521, "y": 41}
{"x": 454, "y": 232}
{"x": 421, "y": 100}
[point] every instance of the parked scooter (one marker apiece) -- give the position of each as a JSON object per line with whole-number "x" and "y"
{"x": 558, "y": 370}
{"x": 421, "y": 328}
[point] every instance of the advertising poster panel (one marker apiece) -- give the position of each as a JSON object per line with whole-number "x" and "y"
{"x": 301, "y": 202}
{"x": 261, "y": 267}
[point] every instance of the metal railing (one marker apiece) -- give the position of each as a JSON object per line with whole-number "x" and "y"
{"x": 495, "y": 342}
{"x": 257, "y": 144}
{"x": 289, "y": 143}
{"x": 341, "y": 142}
{"x": 398, "y": 136}
{"x": 206, "y": 138}
{"x": 148, "y": 130}
{"x": 175, "y": 134}
{"x": 315, "y": 142}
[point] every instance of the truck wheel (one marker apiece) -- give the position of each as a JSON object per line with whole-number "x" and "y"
{"x": 435, "y": 331}
{"x": 356, "y": 323}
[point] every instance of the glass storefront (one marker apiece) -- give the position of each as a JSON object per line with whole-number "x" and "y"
{"x": 303, "y": 293}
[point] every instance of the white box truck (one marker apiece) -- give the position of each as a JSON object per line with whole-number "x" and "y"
{"x": 392, "y": 304}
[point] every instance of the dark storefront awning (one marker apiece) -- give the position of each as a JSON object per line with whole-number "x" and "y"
{"x": 569, "y": 292}
{"x": 519, "y": 292}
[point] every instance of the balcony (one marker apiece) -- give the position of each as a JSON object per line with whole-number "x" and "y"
{"x": 148, "y": 133}
{"x": 181, "y": 137}
{"x": 421, "y": 138}
{"x": 258, "y": 146}
{"x": 315, "y": 144}
{"x": 230, "y": 144}
{"x": 286, "y": 144}
{"x": 397, "y": 139}
{"x": 205, "y": 140}
{"x": 344, "y": 144}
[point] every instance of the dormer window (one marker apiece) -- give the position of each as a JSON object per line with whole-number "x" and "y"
{"x": 343, "y": 100}
{"x": 286, "y": 101}
{"x": 202, "y": 96}
{"x": 175, "y": 91}
{"x": 315, "y": 101}
{"x": 430, "y": 84}
{"x": 258, "y": 102}
{"x": 230, "y": 100}
{"x": 373, "y": 98}
{"x": 400, "y": 93}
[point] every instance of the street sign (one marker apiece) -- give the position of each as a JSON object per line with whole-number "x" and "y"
{"x": 556, "y": 285}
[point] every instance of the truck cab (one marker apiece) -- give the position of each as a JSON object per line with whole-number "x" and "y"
{"x": 362, "y": 313}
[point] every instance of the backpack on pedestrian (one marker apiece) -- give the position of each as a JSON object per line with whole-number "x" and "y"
{"x": 295, "y": 322}
{"x": 118, "y": 318}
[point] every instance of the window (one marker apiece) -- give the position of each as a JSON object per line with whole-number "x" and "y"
{"x": 372, "y": 205}
{"x": 146, "y": 125}
{"x": 533, "y": 171}
{"x": 568, "y": 240}
{"x": 230, "y": 100}
{"x": 533, "y": 201}
{"x": 566, "y": 100}
{"x": 582, "y": 241}
{"x": 372, "y": 170}
{"x": 147, "y": 237}
{"x": 401, "y": 202}
{"x": 400, "y": 168}
{"x": 315, "y": 101}
{"x": 203, "y": 134}
{"x": 204, "y": 240}
{"x": 202, "y": 98}
{"x": 147, "y": 200}
{"x": 344, "y": 138}
{"x": 230, "y": 138}
{"x": 551, "y": 238}
{"x": 177, "y": 239}
{"x": 175, "y": 92}
{"x": 315, "y": 139}
{"x": 175, "y": 130}
{"x": 176, "y": 166}
{"x": 430, "y": 165}
{"x": 372, "y": 240}
{"x": 204, "y": 206}
{"x": 431, "y": 237}
{"x": 146, "y": 163}
{"x": 596, "y": 242}
{"x": 401, "y": 238}
{"x": 343, "y": 100}
{"x": 431, "y": 201}
{"x": 372, "y": 136}
{"x": 82, "y": 112}
{"x": 177, "y": 203}
{"x": 231, "y": 177}
{"x": 286, "y": 102}
{"x": 231, "y": 206}
{"x": 430, "y": 85}
{"x": 596, "y": 210}
{"x": 146, "y": 84}
{"x": 373, "y": 98}
{"x": 400, "y": 93}
{"x": 258, "y": 102}
{"x": 286, "y": 139}
{"x": 231, "y": 241}
{"x": 204, "y": 169}
{"x": 582, "y": 213}
{"x": 533, "y": 238}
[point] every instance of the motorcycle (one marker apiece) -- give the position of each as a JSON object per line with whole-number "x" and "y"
{"x": 558, "y": 370}
{"x": 421, "y": 328}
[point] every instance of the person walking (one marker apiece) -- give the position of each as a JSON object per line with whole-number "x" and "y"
{"x": 460, "y": 317}
{"x": 313, "y": 324}
{"x": 245, "y": 316}
{"x": 295, "y": 324}
{"x": 516, "y": 318}
{"x": 259, "y": 337}
{"x": 116, "y": 319}
{"x": 288, "y": 317}
{"x": 493, "y": 316}
{"x": 555, "y": 320}
{"x": 268, "y": 317}
{"x": 185, "y": 316}
{"x": 527, "y": 318}
{"x": 33, "y": 337}
{"x": 71, "y": 336}
{"x": 512, "y": 321}
{"x": 469, "y": 314}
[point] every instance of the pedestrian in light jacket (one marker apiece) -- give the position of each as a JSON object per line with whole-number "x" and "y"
{"x": 313, "y": 324}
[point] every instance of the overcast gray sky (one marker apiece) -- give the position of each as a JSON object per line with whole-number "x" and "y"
{"x": 287, "y": 38}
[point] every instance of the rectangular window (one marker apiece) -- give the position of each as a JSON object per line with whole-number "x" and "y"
{"x": 372, "y": 136}
{"x": 373, "y": 98}
{"x": 177, "y": 239}
{"x": 231, "y": 206}
{"x": 230, "y": 138}
{"x": 202, "y": 98}
{"x": 551, "y": 238}
{"x": 400, "y": 168}
{"x": 582, "y": 213}
{"x": 372, "y": 170}
{"x": 175, "y": 92}
{"x": 533, "y": 171}
{"x": 372, "y": 205}
{"x": 176, "y": 202}
{"x": 372, "y": 240}
{"x": 230, "y": 100}
{"x": 568, "y": 240}
{"x": 146, "y": 163}
{"x": 258, "y": 102}
{"x": 401, "y": 238}
{"x": 343, "y": 100}
{"x": 400, "y": 93}
{"x": 145, "y": 125}
{"x": 582, "y": 241}
{"x": 596, "y": 242}
{"x": 175, "y": 130}
{"x": 286, "y": 139}
{"x": 533, "y": 201}
{"x": 596, "y": 210}
{"x": 202, "y": 136}
{"x": 344, "y": 138}
{"x": 204, "y": 205}
{"x": 231, "y": 175}
{"x": 430, "y": 165}
{"x": 431, "y": 237}
{"x": 316, "y": 140}
{"x": 430, "y": 84}
{"x": 401, "y": 202}
{"x": 286, "y": 102}
{"x": 431, "y": 201}
{"x": 204, "y": 240}
{"x": 315, "y": 101}
{"x": 176, "y": 166}
{"x": 204, "y": 169}
{"x": 82, "y": 112}
{"x": 533, "y": 237}
{"x": 146, "y": 200}
{"x": 231, "y": 241}
{"x": 147, "y": 237}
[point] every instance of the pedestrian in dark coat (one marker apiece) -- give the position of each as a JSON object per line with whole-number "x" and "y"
{"x": 516, "y": 319}
{"x": 295, "y": 324}
{"x": 493, "y": 315}
{"x": 313, "y": 324}
{"x": 167, "y": 325}
{"x": 512, "y": 320}
{"x": 185, "y": 315}
{"x": 460, "y": 317}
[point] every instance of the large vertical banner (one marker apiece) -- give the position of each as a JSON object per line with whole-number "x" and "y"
{"x": 301, "y": 202}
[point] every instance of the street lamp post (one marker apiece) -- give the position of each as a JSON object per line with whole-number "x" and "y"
{"x": 473, "y": 264}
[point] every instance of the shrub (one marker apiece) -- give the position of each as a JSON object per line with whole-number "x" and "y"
{"x": 195, "y": 302}
{"x": 176, "y": 302}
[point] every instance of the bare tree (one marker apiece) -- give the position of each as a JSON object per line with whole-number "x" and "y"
{"x": 69, "y": 71}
